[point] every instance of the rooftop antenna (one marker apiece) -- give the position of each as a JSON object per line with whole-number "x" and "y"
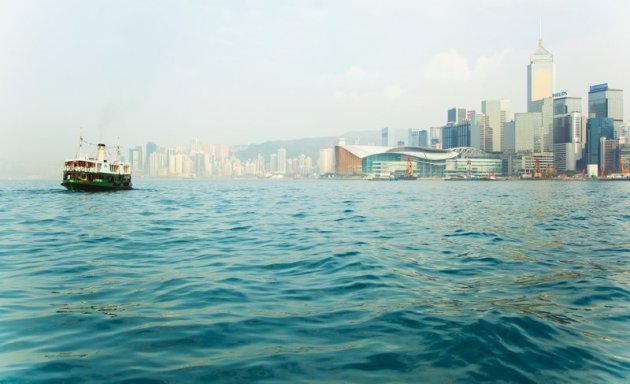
{"x": 540, "y": 32}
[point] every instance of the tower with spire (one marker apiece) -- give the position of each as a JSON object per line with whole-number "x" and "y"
{"x": 540, "y": 77}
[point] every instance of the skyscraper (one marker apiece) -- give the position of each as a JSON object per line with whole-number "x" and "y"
{"x": 508, "y": 140}
{"x": 567, "y": 141}
{"x": 596, "y": 129}
{"x": 150, "y": 149}
{"x": 606, "y": 102}
{"x": 528, "y": 132}
{"x": 565, "y": 104}
{"x": 545, "y": 106}
{"x": 136, "y": 160}
{"x": 423, "y": 138}
{"x": 605, "y": 114}
{"x": 273, "y": 163}
{"x": 385, "y": 137}
{"x": 456, "y": 135}
{"x": 540, "y": 77}
{"x": 567, "y": 132}
{"x": 282, "y": 160}
{"x": 498, "y": 112}
{"x": 456, "y": 115}
{"x": 413, "y": 137}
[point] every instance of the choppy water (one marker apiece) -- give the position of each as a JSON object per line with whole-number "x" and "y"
{"x": 326, "y": 281}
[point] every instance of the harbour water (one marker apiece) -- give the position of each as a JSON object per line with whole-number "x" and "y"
{"x": 289, "y": 281}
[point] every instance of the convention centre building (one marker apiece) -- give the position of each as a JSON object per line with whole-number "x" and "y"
{"x": 383, "y": 162}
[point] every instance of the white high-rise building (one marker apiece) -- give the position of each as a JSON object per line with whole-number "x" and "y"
{"x": 546, "y": 107}
{"x": 528, "y": 132}
{"x": 567, "y": 145}
{"x": 435, "y": 140}
{"x": 540, "y": 77}
{"x": 497, "y": 112}
{"x": 479, "y": 131}
{"x": 413, "y": 137}
{"x": 282, "y": 160}
{"x": 157, "y": 164}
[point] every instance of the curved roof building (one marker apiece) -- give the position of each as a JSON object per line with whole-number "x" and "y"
{"x": 355, "y": 160}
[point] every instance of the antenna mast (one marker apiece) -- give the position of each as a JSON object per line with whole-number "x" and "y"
{"x": 118, "y": 156}
{"x": 80, "y": 154}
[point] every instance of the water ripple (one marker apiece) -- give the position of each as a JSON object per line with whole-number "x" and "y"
{"x": 327, "y": 281}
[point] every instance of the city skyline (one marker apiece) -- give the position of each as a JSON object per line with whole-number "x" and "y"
{"x": 399, "y": 87}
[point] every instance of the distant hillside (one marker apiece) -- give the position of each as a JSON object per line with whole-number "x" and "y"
{"x": 308, "y": 146}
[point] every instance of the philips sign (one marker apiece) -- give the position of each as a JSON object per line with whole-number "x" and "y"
{"x": 598, "y": 87}
{"x": 559, "y": 94}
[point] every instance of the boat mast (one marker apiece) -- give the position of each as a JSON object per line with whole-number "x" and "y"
{"x": 118, "y": 155}
{"x": 80, "y": 154}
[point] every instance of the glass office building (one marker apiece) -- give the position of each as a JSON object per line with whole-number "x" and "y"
{"x": 606, "y": 102}
{"x": 597, "y": 128}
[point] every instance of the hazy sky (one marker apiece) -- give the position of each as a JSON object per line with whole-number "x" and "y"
{"x": 240, "y": 72}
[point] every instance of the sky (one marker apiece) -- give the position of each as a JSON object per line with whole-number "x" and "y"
{"x": 242, "y": 72}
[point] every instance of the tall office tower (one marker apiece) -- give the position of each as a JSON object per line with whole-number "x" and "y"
{"x": 435, "y": 134}
{"x": 477, "y": 130}
{"x": 136, "y": 160}
{"x": 170, "y": 161}
{"x": 273, "y": 163}
{"x": 198, "y": 164}
{"x": 605, "y": 112}
{"x": 565, "y": 104}
{"x": 567, "y": 141}
{"x": 384, "y": 137}
{"x": 567, "y": 132}
{"x": 423, "y": 138}
{"x": 596, "y": 129}
{"x": 157, "y": 164}
{"x": 456, "y": 135}
{"x": 498, "y": 113}
{"x": 260, "y": 165}
{"x": 546, "y": 108}
{"x": 540, "y": 79}
{"x": 508, "y": 143}
{"x": 413, "y": 137}
{"x": 150, "y": 149}
{"x": 456, "y": 115}
{"x": 528, "y": 132}
{"x": 282, "y": 160}
{"x": 179, "y": 165}
{"x": 609, "y": 156}
{"x": 606, "y": 102}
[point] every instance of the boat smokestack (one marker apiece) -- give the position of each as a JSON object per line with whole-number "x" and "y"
{"x": 100, "y": 152}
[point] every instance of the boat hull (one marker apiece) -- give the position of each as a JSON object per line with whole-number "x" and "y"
{"x": 95, "y": 182}
{"x": 91, "y": 187}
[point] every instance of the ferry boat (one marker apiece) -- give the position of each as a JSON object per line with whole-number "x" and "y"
{"x": 96, "y": 173}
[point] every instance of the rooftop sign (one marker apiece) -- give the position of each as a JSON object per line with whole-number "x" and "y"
{"x": 598, "y": 87}
{"x": 559, "y": 94}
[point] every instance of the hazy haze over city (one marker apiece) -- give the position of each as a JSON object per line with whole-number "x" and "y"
{"x": 241, "y": 72}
